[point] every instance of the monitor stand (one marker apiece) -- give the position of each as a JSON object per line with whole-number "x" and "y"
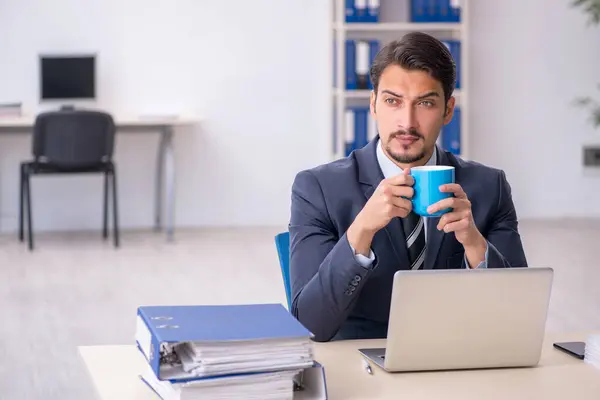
{"x": 67, "y": 108}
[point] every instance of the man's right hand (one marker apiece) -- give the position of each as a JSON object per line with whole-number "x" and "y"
{"x": 390, "y": 199}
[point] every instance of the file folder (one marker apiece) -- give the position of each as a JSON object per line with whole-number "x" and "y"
{"x": 372, "y": 127}
{"x": 350, "y": 66}
{"x": 417, "y": 11}
{"x": 357, "y": 128}
{"x": 443, "y": 10}
{"x": 361, "y": 117}
{"x": 360, "y": 8}
{"x": 454, "y": 49}
{"x": 424, "y": 10}
{"x": 451, "y": 135}
{"x": 307, "y": 384}
{"x": 448, "y": 11}
{"x": 350, "y": 11}
{"x": 373, "y": 11}
{"x": 374, "y": 47}
{"x": 161, "y": 331}
{"x": 363, "y": 63}
{"x": 433, "y": 10}
{"x": 350, "y": 131}
{"x": 455, "y": 11}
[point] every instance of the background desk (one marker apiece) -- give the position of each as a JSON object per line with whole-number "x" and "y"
{"x": 114, "y": 371}
{"x": 165, "y": 171}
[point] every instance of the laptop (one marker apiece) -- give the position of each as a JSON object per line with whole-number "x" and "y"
{"x": 465, "y": 319}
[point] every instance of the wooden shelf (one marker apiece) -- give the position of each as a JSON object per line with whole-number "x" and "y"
{"x": 365, "y": 94}
{"x": 399, "y": 26}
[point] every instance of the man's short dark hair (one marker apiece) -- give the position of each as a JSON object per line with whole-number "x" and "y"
{"x": 417, "y": 51}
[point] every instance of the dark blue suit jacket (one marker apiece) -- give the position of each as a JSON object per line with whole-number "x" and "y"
{"x": 333, "y": 295}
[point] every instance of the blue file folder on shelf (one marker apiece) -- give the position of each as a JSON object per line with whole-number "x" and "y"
{"x": 448, "y": 11}
{"x": 350, "y": 65}
{"x": 190, "y": 342}
{"x": 374, "y": 47}
{"x": 350, "y": 11}
{"x": 454, "y": 48}
{"x": 372, "y": 11}
{"x": 361, "y": 11}
{"x": 424, "y": 10}
{"x": 363, "y": 64}
{"x": 357, "y": 128}
{"x": 360, "y": 55}
{"x": 435, "y": 11}
{"x": 451, "y": 135}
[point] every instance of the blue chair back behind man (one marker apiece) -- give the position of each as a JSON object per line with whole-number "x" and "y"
{"x": 282, "y": 242}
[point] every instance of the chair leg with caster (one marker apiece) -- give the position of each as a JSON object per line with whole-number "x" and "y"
{"x": 105, "y": 212}
{"x": 28, "y": 211}
{"x": 115, "y": 209}
{"x": 21, "y": 199}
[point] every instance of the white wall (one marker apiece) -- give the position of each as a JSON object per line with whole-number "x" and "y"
{"x": 256, "y": 71}
{"x": 530, "y": 60}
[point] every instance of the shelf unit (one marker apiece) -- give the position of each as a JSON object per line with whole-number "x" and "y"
{"x": 399, "y": 26}
{"x": 394, "y": 22}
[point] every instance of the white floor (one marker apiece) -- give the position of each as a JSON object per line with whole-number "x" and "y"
{"x": 77, "y": 290}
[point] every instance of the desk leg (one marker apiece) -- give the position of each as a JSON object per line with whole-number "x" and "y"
{"x": 165, "y": 183}
{"x": 158, "y": 187}
{"x": 170, "y": 182}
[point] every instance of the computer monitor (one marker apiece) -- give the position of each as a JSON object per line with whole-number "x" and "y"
{"x": 67, "y": 77}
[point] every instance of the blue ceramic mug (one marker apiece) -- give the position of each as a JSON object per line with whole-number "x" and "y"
{"x": 428, "y": 180}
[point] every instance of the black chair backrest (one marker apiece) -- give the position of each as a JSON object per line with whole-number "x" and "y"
{"x": 74, "y": 137}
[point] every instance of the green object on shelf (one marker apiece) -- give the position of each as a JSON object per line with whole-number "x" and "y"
{"x": 592, "y": 8}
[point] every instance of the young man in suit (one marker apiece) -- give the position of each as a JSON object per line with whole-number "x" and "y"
{"x": 352, "y": 225}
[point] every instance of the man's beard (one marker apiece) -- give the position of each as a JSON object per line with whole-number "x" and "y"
{"x": 405, "y": 158}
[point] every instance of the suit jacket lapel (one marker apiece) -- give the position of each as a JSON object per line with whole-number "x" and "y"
{"x": 435, "y": 238}
{"x": 370, "y": 175}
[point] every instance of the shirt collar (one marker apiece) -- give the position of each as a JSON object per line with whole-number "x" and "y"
{"x": 389, "y": 169}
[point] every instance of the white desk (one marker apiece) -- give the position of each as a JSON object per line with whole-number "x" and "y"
{"x": 165, "y": 172}
{"x": 114, "y": 371}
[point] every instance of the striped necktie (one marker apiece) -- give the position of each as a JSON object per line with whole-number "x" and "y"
{"x": 414, "y": 232}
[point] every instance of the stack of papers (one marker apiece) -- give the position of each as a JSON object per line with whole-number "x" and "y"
{"x": 218, "y": 358}
{"x": 592, "y": 351}
{"x": 260, "y": 386}
{"x": 223, "y": 352}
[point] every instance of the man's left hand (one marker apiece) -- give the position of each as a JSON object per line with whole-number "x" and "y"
{"x": 460, "y": 221}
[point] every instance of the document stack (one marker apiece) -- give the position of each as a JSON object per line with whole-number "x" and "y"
{"x": 592, "y": 351}
{"x": 224, "y": 352}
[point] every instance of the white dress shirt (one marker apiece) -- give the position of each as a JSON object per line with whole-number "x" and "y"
{"x": 389, "y": 169}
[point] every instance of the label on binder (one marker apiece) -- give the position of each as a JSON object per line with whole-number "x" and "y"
{"x": 360, "y": 4}
{"x": 455, "y": 3}
{"x": 371, "y": 127}
{"x": 362, "y": 57}
{"x": 349, "y": 124}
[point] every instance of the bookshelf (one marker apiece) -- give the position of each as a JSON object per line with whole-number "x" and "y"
{"x": 394, "y": 20}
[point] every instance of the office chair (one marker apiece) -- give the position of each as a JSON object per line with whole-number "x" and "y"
{"x": 71, "y": 142}
{"x": 282, "y": 242}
